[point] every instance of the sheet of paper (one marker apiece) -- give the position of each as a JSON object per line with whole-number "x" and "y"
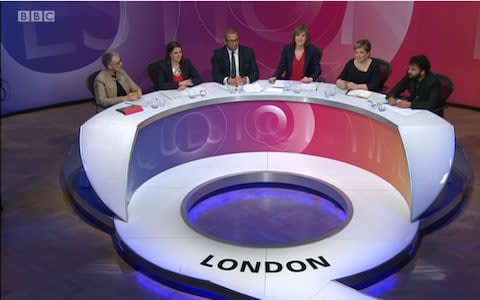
{"x": 360, "y": 93}
{"x": 279, "y": 83}
{"x": 252, "y": 88}
{"x": 172, "y": 94}
{"x": 273, "y": 90}
{"x": 308, "y": 86}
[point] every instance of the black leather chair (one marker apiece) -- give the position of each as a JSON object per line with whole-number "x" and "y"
{"x": 152, "y": 71}
{"x": 385, "y": 71}
{"x": 447, "y": 87}
{"x": 90, "y": 87}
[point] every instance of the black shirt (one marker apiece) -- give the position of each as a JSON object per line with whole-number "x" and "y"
{"x": 424, "y": 94}
{"x": 120, "y": 90}
{"x": 371, "y": 77}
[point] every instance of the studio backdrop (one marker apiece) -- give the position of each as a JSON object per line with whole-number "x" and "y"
{"x": 49, "y": 48}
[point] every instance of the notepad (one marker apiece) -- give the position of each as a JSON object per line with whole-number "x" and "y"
{"x": 130, "y": 109}
{"x": 359, "y": 93}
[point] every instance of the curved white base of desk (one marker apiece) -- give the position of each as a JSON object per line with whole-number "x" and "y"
{"x": 379, "y": 229}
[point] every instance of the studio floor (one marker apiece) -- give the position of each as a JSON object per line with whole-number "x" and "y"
{"x": 49, "y": 251}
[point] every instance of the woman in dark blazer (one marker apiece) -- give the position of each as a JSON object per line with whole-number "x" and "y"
{"x": 176, "y": 72}
{"x": 300, "y": 59}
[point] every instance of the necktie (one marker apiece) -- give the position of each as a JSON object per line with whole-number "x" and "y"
{"x": 233, "y": 71}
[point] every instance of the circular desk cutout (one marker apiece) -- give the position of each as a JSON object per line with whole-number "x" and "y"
{"x": 266, "y": 209}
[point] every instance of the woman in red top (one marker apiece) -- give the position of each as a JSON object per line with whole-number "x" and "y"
{"x": 176, "y": 72}
{"x": 300, "y": 59}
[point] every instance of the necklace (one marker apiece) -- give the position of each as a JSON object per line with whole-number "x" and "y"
{"x": 176, "y": 71}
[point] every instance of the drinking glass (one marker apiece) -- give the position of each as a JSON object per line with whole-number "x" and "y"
{"x": 240, "y": 89}
{"x": 163, "y": 101}
{"x": 233, "y": 89}
{"x": 155, "y": 102}
{"x": 296, "y": 88}
{"x": 332, "y": 91}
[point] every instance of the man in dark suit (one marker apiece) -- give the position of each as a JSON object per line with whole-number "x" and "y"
{"x": 423, "y": 87}
{"x": 234, "y": 64}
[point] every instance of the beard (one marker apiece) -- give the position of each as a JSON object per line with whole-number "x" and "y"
{"x": 417, "y": 76}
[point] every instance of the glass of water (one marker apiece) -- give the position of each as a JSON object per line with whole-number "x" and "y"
{"x": 191, "y": 93}
{"x": 240, "y": 88}
{"x": 296, "y": 88}
{"x": 233, "y": 89}
{"x": 163, "y": 101}
{"x": 155, "y": 102}
{"x": 332, "y": 91}
{"x": 287, "y": 87}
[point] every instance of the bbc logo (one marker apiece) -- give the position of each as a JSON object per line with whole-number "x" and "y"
{"x": 36, "y": 16}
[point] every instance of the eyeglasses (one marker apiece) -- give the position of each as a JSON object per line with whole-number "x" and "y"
{"x": 233, "y": 41}
{"x": 117, "y": 63}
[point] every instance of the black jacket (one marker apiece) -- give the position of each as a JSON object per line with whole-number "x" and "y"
{"x": 165, "y": 76}
{"x": 423, "y": 94}
{"x": 312, "y": 62}
{"x": 246, "y": 61}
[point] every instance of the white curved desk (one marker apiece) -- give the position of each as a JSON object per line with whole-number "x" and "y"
{"x": 411, "y": 149}
{"x": 390, "y": 165}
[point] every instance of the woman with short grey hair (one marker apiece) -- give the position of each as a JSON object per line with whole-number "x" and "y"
{"x": 113, "y": 85}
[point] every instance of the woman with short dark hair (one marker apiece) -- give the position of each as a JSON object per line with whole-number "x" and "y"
{"x": 300, "y": 59}
{"x": 361, "y": 72}
{"x": 176, "y": 71}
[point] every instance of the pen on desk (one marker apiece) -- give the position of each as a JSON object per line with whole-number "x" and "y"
{"x": 348, "y": 90}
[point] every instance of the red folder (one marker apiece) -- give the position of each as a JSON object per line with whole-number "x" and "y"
{"x": 131, "y": 109}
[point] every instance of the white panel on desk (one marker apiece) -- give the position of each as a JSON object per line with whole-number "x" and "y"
{"x": 154, "y": 209}
{"x": 184, "y": 256}
{"x": 286, "y": 286}
{"x": 336, "y": 173}
{"x": 429, "y": 150}
{"x": 252, "y": 284}
{"x": 155, "y": 212}
{"x": 197, "y": 172}
{"x": 105, "y": 149}
{"x": 379, "y": 229}
{"x": 378, "y": 215}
